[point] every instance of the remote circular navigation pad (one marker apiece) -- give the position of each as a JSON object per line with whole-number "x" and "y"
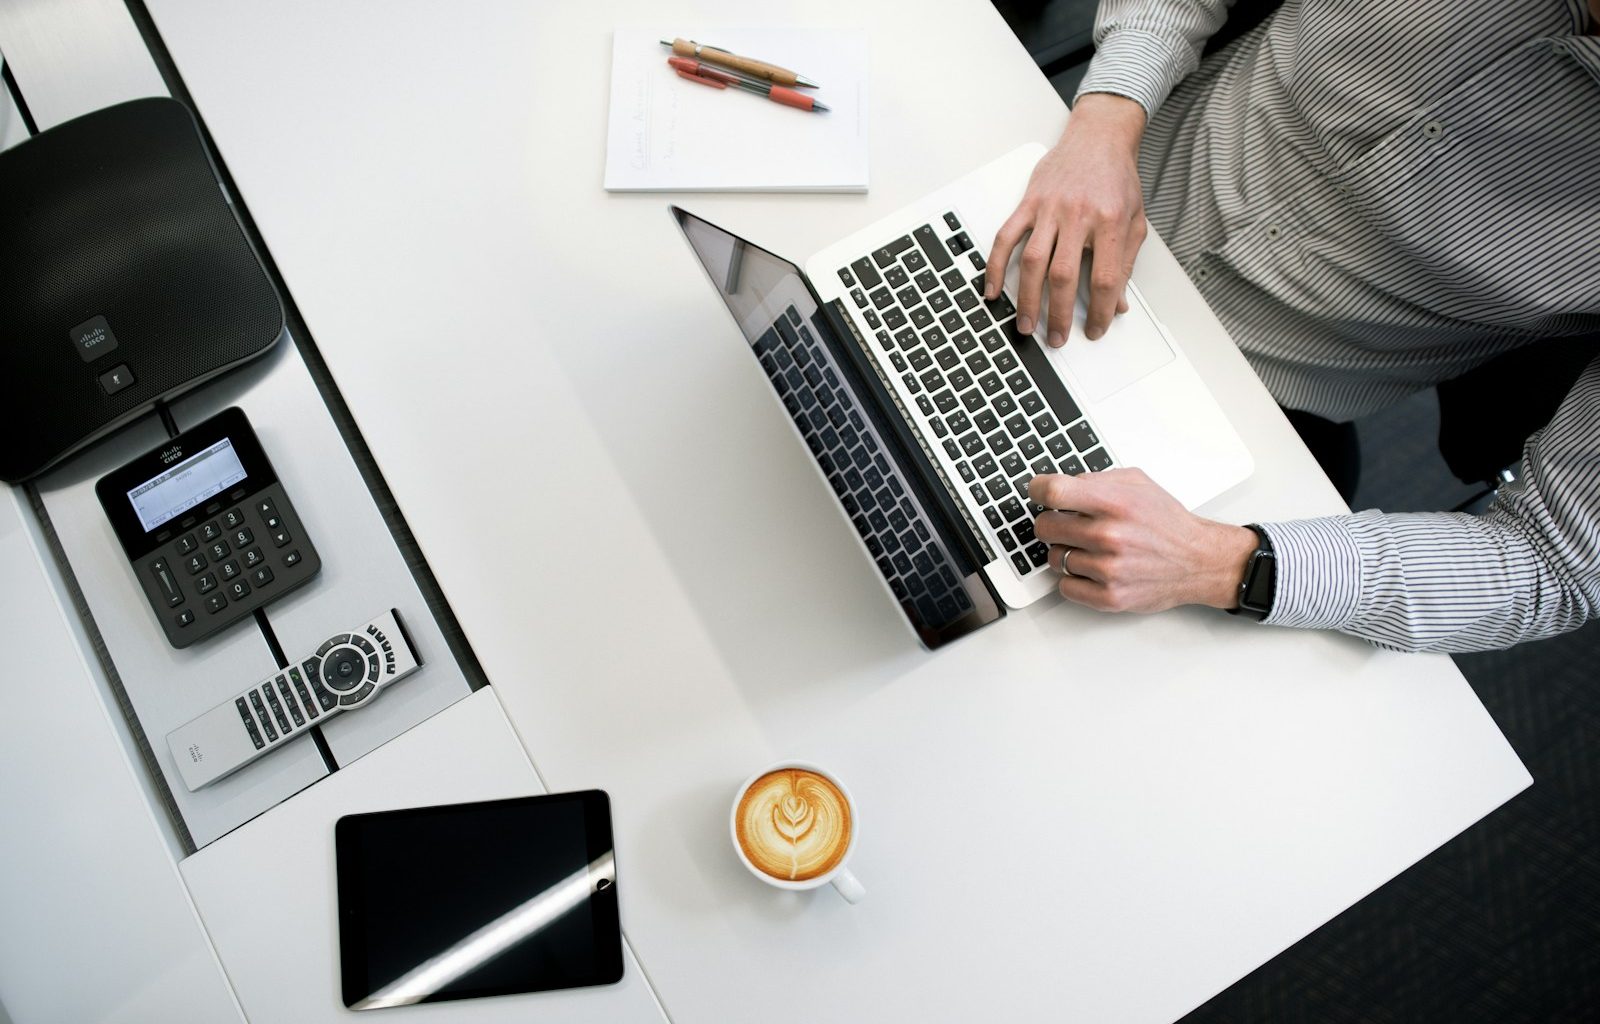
{"x": 344, "y": 669}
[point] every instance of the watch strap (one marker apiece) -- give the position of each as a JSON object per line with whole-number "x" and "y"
{"x": 1259, "y": 587}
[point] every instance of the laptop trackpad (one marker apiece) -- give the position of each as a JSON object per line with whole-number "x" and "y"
{"x": 1132, "y": 348}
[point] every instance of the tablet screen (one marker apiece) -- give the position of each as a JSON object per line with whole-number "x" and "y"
{"x": 477, "y": 900}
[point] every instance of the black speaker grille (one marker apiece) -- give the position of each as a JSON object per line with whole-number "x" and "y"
{"x": 117, "y": 214}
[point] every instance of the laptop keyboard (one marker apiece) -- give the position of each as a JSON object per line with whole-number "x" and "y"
{"x": 869, "y": 485}
{"x": 997, "y": 420}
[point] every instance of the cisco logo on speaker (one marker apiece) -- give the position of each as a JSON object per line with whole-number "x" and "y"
{"x": 93, "y": 338}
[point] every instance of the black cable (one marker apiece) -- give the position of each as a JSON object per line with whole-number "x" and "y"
{"x": 16, "y": 97}
{"x": 165, "y": 412}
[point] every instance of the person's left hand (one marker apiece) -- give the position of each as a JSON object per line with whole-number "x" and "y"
{"x": 1129, "y": 546}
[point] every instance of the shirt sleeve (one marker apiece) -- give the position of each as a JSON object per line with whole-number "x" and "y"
{"x": 1529, "y": 567}
{"x": 1144, "y": 47}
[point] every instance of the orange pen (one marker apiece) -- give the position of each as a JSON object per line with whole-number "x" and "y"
{"x": 720, "y": 78}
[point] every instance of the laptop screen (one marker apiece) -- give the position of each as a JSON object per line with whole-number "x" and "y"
{"x": 837, "y": 414}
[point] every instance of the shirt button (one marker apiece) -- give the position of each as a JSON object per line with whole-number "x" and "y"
{"x": 1201, "y": 273}
{"x": 1433, "y": 130}
{"x": 1273, "y": 231}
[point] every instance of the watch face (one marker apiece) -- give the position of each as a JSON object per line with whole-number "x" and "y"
{"x": 1260, "y": 583}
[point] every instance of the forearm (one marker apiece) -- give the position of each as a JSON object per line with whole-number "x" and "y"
{"x": 1143, "y": 48}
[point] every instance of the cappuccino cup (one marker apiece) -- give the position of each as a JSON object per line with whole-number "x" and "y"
{"x": 794, "y": 826}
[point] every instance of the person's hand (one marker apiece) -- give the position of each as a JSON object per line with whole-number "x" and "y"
{"x": 1129, "y": 546}
{"x": 1084, "y": 194}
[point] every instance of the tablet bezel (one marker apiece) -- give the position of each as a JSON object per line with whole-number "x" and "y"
{"x": 602, "y": 901}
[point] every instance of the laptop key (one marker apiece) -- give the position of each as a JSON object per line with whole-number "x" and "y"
{"x": 1018, "y": 382}
{"x": 1013, "y": 465}
{"x": 859, "y": 297}
{"x": 1017, "y": 425}
{"x": 967, "y": 474}
{"x": 965, "y": 299}
{"x": 914, "y": 260}
{"x": 1011, "y": 509}
{"x": 980, "y": 320}
{"x": 865, "y": 271}
{"x": 989, "y": 383}
{"x": 881, "y": 298}
{"x": 947, "y": 358}
{"x": 972, "y": 444}
{"x": 951, "y": 222}
{"x": 898, "y": 361}
{"x": 1082, "y": 435}
{"x": 1005, "y": 361}
{"x": 921, "y": 317}
{"x": 951, "y": 321}
{"x": 965, "y": 342}
{"x": 953, "y": 279}
{"x": 984, "y": 465}
{"x": 1021, "y": 562}
{"x": 973, "y": 400}
{"x": 1097, "y": 460}
{"x": 908, "y": 296}
{"x": 925, "y": 281}
{"x": 986, "y": 421}
{"x": 1001, "y": 308}
{"x": 1007, "y": 539}
{"x": 1004, "y": 405}
{"x": 958, "y": 420}
{"x": 1038, "y": 553}
{"x": 1031, "y": 404}
{"x": 938, "y": 302}
{"x": 1071, "y": 466}
{"x": 960, "y": 244}
{"x": 925, "y": 405}
{"x": 1030, "y": 447}
{"x": 912, "y": 385}
{"x": 1059, "y": 446}
{"x": 1042, "y": 466}
{"x": 997, "y": 487}
{"x": 930, "y": 245}
{"x": 993, "y": 515}
{"x": 933, "y": 380}
{"x": 961, "y": 380}
{"x": 845, "y": 276}
{"x": 893, "y": 318}
{"x": 934, "y": 337}
{"x": 999, "y": 442}
{"x": 884, "y": 341}
{"x": 885, "y": 256}
{"x": 920, "y": 360}
{"x": 977, "y": 260}
{"x": 896, "y": 276}
{"x": 993, "y": 342}
{"x": 946, "y": 402}
{"x": 906, "y": 339}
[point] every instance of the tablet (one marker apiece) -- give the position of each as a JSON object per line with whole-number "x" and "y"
{"x": 477, "y": 899}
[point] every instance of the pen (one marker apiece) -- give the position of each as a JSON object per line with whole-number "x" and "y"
{"x": 720, "y": 79}
{"x": 745, "y": 65}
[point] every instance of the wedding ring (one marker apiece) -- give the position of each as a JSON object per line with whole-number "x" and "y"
{"x": 1066, "y": 553}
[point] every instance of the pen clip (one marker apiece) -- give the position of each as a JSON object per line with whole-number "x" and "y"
{"x": 698, "y": 72}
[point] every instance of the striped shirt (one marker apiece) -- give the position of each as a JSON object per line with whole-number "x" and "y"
{"x": 1375, "y": 197}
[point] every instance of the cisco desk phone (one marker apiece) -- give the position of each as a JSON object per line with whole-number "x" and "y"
{"x": 208, "y": 528}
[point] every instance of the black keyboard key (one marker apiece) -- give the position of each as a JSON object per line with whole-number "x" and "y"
{"x": 859, "y": 297}
{"x": 907, "y": 339}
{"x": 953, "y": 279}
{"x": 947, "y": 358}
{"x": 1024, "y": 531}
{"x": 1021, "y": 562}
{"x": 1007, "y": 539}
{"x": 882, "y": 298}
{"x": 884, "y": 340}
{"x": 946, "y": 401}
{"x": 902, "y": 564}
{"x": 972, "y": 444}
{"x": 1031, "y": 404}
{"x": 966, "y": 471}
{"x": 938, "y": 302}
{"x": 1082, "y": 435}
{"x": 1004, "y": 404}
{"x": 1042, "y": 466}
{"x": 865, "y": 271}
{"x": 930, "y": 245}
{"x": 1038, "y": 553}
{"x": 977, "y": 260}
{"x": 966, "y": 300}
{"x": 914, "y": 260}
{"x": 1071, "y": 466}
{"x": 998, "y": 487}
{"x": 973, "y": 400}
{"x": 1005, "y": 361}
{"x": 1017, "y": 425}
{"x": 1044, "y": 424}
{"x": 933, "y": 380}
{"x": 965, "y": 342}
{"x": 1011, "y": 509}
{"x": 960, "y": 244}
{"x": 989, "y": 383}
{"x": 984, "y": 465}
{"x": 921, "y": 317}
{"x": 979, "y": 495}
{"x": 951, "y": 222}
{"x": 925, "y": 405}
{"x": 980, "y": 320}
{"x": 961, "y": 380}
{"x": 917, "y": 586}
{"x": 1013, "y": 465}
{"x": 934, "y": 337}
{"x": 921, "y": 360}
{"x": 1097, "y": 460}
{"x": 912, "y": 385}
{"x": 896, "y": 276}
{"x": 1018, "y": 382}
{"x": 993, "y": 515}
{"x": 951, "y": 321}
{"x": 993, "y": 342}
{"x": 958, "y": 421}
{"x": 893, "y": 319}
{"x": 908, "y": 296}
{"x": 848, "y": 278}
{"x": 898, "y": 361}
{"x": 939, "y": 429}
{"x": 1001, "y": 308}
{"x": 872, "y": 319}
{"x": 1059, "y": 446}
{"x": 925, "y": 281}
{"x": 999, "y": 442}
{"x": 885, "y": 256}
{"x": 986, "y": 421}
{"x": 950, "y": 449}
{"x": 1030, "y": 447}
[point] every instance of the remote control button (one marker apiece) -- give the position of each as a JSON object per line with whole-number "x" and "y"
{"x": 332, "y": 642}
{"x": 262, "y": 576}
{"x": 210, "y": 532}
{"x": 280, "y": 537}
{"x": 238, "y": 590}
{"x": 219, "y": 550}
{"x": 372, "y": 669}
{"x": 361, "y": 642}
{"x": 249, "y": 723}
{"x": 289, "y": 701}
{"x": 215, "y": 603}
{"x": 242, "y": 537}
{"x": 292, "y": 559}
{"x": 261, "y": 713}
{"x": 184, "y": 618}
{"x": 350, "y": 700}
{"x": 195, "y": 563}
{"x": 314, "y": 681}
{"x": 186, "y": 544}
{"x": 233, "y": 519}
{"x": 230, "y": 570}
{"x": 253, "y": 558}
{"x": 342, "y": 670}
{"x": 277, "y": 708}
{"x": 305, "y": 693}
{"x": 206, "y": 584}
{"x": 166, "y": 583}
{"x": 273, "y": 522}
{"x": 265, "y": 508}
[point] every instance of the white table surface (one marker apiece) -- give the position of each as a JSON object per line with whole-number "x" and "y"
{"x": 1066, "y": 816}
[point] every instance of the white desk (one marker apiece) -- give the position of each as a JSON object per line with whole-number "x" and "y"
{"x": 1068, "y": 816}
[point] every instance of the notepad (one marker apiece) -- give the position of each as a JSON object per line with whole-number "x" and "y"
{"x": 669, "y": 134}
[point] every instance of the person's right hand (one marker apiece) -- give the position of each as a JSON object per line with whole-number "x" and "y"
{"x": 1084, "y": 194}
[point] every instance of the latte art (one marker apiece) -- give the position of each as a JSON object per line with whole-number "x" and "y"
{"x": 793, "y": 824}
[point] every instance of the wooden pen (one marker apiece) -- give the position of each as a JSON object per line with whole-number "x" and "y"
{"x": 748, "y": 65}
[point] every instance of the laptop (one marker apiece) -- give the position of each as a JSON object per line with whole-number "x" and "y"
{"x": 927, "y": 412}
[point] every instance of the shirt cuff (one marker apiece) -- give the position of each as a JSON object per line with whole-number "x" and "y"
{"x": 1318, "y": 573}
{"x": 1142, "y": 66}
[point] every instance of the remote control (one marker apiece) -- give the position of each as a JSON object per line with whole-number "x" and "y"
{"x": 346, "y": 672}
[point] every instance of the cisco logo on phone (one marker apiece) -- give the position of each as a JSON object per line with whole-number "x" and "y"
{"x": 93, "y": 338}
{"x": 171, "y": 455}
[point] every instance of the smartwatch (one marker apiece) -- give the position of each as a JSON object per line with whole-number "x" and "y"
{"x": 1260, "y": 584}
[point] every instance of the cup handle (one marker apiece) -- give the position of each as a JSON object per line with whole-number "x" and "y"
{"x": 848, "y": 887}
